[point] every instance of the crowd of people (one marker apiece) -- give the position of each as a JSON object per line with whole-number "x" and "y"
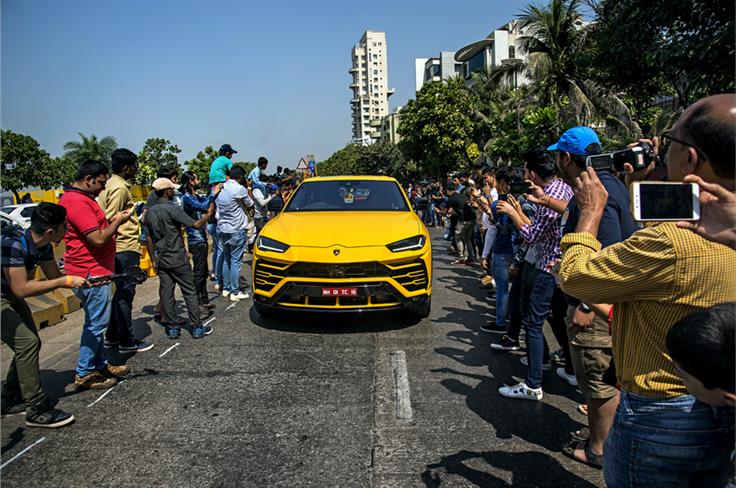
{"x": 643, "y": 312}
{"x": 104, "y": 230}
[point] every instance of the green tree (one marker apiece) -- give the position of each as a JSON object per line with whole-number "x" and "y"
{"x": 341, "y": 162}
{"x": 156, "y": 153}
{"x": 25, "y": 164}
{"x": 436, "y": 129}
{"x": 200, "y": 164}
{"x": 90, "y": 148}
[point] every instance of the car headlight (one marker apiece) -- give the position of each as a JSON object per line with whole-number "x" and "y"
{"x": 409, "y": 244}
{"x": 266, "y": 244}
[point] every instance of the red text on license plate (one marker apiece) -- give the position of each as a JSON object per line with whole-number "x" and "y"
{"x": 339, "y": 292}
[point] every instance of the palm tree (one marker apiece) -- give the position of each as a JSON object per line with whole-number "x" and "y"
{"x": 90, "y": 148}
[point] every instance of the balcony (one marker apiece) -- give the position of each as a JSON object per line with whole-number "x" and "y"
{"x": 355, "y": 100}
{"x": 375, "y": 123}
{"x": 390, "y": 91}
{"x": 352, "y": 70}
{"x": 376, "y": 134}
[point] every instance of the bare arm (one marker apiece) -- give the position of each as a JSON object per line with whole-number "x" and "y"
{"x": 22, "y": 287}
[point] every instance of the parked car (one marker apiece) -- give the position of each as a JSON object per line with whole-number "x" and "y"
{"x": 20, "y": 214}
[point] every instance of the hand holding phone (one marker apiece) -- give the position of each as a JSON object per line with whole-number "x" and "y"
{"x": 665, "y": 201}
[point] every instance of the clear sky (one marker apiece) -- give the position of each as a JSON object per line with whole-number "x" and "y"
{"x": 270, "y": 78}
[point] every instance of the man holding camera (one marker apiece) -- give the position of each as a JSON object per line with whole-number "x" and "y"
{"x": 654, "y": 278}
{"x": 590, "y": 342}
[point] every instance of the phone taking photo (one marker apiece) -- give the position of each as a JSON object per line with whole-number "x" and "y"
{"x": 664, "y": 201}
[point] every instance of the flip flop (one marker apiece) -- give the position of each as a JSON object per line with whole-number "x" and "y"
{"x": 592, "y": 460}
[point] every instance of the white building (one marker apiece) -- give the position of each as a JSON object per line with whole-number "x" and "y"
{"x": 440, "y": 68}
{"x": 499, "y": 48}
{"x": 370, "y": 86}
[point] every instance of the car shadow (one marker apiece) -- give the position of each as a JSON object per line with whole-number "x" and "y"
{"x": 331, "y": 323}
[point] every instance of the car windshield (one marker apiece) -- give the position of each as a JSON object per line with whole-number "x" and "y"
{"x": 351, "y": 195}
{"x": 7, "y": 210}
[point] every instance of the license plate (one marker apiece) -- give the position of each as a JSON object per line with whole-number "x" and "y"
{"x": 339, "y": 292}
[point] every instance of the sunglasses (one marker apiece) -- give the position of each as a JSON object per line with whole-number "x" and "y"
{"x": 667, "y": 139}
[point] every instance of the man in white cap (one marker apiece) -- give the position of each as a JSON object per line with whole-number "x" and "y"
{"x": 164, "y": 221}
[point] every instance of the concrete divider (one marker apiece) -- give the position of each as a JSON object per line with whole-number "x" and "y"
{"x": 46, "y": 310}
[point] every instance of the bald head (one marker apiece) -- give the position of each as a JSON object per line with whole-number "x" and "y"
{"x": 710, "y": 124}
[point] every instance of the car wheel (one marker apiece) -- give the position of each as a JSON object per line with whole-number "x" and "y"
{"x": 421, "y": 310}
{"x": 263, "y": 310}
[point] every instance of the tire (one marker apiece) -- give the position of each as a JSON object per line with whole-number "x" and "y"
{"x": 422, "y": 309}
{"x": 263, "y": 310}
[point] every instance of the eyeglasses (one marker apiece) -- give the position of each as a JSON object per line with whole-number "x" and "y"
{"x": 667, "y": 139}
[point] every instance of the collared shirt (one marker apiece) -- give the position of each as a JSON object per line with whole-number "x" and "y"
{"x": 657, "y": 276}
{"x": 84, "y": 215}
{"x": 18, "y": 250}
{"x": 116, "y": 197}
{"x": 255, "y": 177}
{"x": 219, "y": 169}
{"x": 545, "y": 229}
{"x": 261, "y": 204}
{"x": 231, "y": 217}
{"x": 164, "y": 221}
{"x": 195, "y": 206}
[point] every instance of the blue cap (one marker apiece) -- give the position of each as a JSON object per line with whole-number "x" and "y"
{"x": 273, "y": 187}
{"x": 575, "y": 140}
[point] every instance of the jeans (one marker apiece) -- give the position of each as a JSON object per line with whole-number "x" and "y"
{"x": 540, "y": 301}
{"x": 96, "y": 301}
{"x": 233, "y": 246}
{"x": 672, "y": 442}
{"x": 500, "y": 270}
{"x": 199, "y": 265}
{"x": 216, "y": 251}
{"x": 121, "y": 317}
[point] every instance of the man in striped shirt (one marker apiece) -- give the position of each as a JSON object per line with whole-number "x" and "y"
{"x": 544, "y": 232}
{"x": 660, "y": 435}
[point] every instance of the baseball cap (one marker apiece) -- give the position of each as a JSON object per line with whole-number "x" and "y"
{"x": 575, "y": 140}
{"x": 164, "y": 184}
{"x": 226, "y": 148}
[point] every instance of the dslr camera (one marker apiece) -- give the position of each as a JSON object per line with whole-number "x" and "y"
{"x": 639, "y": 157}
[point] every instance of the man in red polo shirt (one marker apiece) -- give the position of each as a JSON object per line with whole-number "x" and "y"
{"x": 90, "y": 252}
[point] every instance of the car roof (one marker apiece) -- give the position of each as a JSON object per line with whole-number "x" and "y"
{"x": 21, "y": 205}
{"x": 317, "y": 179}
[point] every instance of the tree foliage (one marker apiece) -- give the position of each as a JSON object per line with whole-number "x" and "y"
{"x": 156, "y": 153}
{"x": 200, "y": 164}
{"x": 25, "y": 164}
{"x": 90, "y": 148}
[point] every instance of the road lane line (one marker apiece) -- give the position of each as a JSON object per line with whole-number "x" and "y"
{"x": 210, "y": 320}
{"x": 169, "y": 349}
{"x": 401, "y": 383}
{"x": 22, "y": 452}
{"x": 102, "y": 396}
{"x": 231, "y": 306}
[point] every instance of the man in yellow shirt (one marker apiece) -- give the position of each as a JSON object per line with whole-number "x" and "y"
{"x": 116, "y": 197}
{"x": 661, "y": 435}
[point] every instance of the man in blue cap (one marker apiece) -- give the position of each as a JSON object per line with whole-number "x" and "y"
{"x": 590, "y": 342}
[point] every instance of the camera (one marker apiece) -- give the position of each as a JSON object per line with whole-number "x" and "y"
{"x": 639, "y": 157}
{"x": 519, "y": 187}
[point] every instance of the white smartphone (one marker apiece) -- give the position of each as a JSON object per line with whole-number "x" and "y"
{"x": 664, "y": 201}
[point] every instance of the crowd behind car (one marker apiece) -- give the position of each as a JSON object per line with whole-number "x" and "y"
{"x": 643, "y": 313}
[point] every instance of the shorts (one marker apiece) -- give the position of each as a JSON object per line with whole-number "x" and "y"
{"x": 591, "y": 364}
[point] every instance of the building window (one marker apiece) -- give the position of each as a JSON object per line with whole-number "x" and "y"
{"x": 476, "y": 63}
{"x": 512, "y": 52}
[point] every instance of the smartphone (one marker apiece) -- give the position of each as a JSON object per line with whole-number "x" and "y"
{"x": 503, "y": 197}
{"x": 519, "y": 187}
{"x": 661, "y": 201}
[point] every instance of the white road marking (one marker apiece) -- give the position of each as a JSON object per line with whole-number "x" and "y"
{"x": 401, "y": 383}
{"x": 102, "y": 396}
{"x": 169, "y": 349}
{"x": 22, "y": 452}
{"x": 210, "y": 320}
{"x": 231, "y": 306}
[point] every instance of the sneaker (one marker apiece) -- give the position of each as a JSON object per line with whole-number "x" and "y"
{"x": 505, "y": 344}
{"x": 225, "y": 293}
{"x": 94, "y": 381}
{"x": 50, "y": 419}
{"x": 521, "y": 391}
{"x": 545, "y": 366}
{"x": 217, "y": 287}
{"x": 173, "y": 333}
{"x": 112, "y": 371}
{"x": 111, "y": 344}
{"x": 213, "y": 278}
{"x": 570, "y": 378}
{"x": 493, "y": 328}
{"x": 201, "y": 331}
{"x": 240, "y": 296}
{"x": 557, "y": 357}
{"x": 459, "y": 261}
{"x": 14, "y": 409}
{"x": 137, "y": 346}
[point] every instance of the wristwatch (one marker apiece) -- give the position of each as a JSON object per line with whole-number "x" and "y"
{"x": 585, "y": 308}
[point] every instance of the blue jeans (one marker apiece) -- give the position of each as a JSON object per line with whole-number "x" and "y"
{"x": 500, "y": 270}
{"x": 216, "y": 251}
{"x": 233, "y": 246}
{"x": 540, "y": 304}
{"x": 96, "y": 302}
{"x": 672, "y": 442}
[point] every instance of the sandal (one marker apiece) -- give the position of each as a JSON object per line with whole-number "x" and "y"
{"x": 580, "y": 435}
{"x": 591, "y": 459}
{"x": 583, "y": 408}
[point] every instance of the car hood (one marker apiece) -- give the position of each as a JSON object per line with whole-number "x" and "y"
{"x": 347, "y": 229}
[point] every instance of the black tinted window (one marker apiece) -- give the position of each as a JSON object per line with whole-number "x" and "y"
{"x": 352, "y": 195}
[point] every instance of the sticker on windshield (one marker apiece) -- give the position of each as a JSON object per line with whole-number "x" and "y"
{"x": 348, "y": 198}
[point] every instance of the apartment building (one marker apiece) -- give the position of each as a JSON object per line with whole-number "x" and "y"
{"x": 441, "y": 68}
{"x": 500, "y": 47}
{"x": 370, "y": 86}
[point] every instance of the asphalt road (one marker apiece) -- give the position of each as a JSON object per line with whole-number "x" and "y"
{"x": 308, "y": 401}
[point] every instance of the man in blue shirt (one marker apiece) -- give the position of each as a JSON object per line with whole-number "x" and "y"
{"x": 256, "y": 175}
{"x": 221, "y": 166}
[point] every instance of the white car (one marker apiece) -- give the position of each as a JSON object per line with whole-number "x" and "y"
{"x": 20, "y": 214}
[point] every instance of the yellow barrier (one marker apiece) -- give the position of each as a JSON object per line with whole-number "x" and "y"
{"x": 139, "y": 192}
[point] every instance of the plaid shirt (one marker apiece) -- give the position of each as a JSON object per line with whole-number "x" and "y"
{"x": 546, "y": 230}
{"x": 19, "y": 250}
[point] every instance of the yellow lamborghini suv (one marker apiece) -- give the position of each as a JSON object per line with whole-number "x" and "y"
{"x": 344, "y": 243}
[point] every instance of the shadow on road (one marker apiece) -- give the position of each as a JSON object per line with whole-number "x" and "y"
{"x": 326, "y": 323}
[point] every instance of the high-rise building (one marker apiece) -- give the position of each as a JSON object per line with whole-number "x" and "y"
{"x": 370, "y": 86}
{"x": 440, "y": 68}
